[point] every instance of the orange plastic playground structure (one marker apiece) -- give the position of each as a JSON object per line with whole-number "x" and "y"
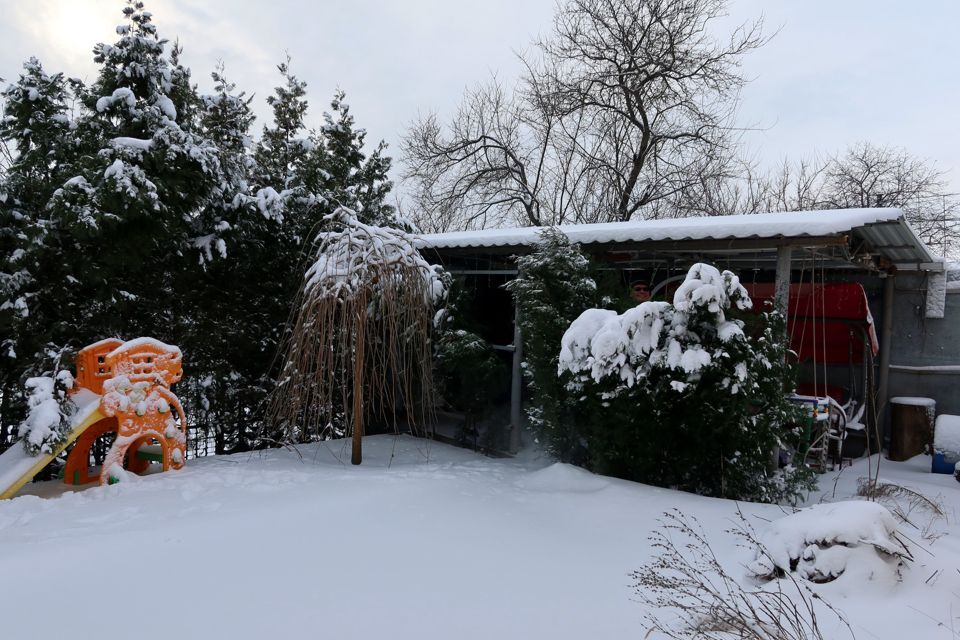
{"x": 133, "y": 381}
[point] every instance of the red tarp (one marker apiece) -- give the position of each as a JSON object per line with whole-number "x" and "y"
{"x": 826, "y": 321}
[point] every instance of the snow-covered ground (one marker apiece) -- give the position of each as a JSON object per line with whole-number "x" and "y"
{"x": 421, "y": 541}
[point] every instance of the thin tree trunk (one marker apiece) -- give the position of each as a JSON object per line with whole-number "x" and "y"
{"x": 357, "y": 453}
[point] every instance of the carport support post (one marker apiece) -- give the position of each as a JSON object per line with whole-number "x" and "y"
{"x": 886, "y": 339}
{"x": 516, "y": 382}
{"x": 781, "y": 296}
{"x": 781, "y": 301}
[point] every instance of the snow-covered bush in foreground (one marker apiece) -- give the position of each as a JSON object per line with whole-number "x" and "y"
{"x": 48, "y": 420}
{"x": 825, "y": 541}
{"x": 686, "y": 394}
{"x": 691, "y": 594}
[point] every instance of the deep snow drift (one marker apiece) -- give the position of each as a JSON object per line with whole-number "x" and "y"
{"x": 421, "y": 541}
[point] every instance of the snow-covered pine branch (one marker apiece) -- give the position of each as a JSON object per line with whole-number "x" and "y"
{"x": 49, "y": 414}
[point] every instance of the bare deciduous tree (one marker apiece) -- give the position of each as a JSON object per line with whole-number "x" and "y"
{"x": 627, "y": 104}
{"x": 865, "y": 175}
{"x": 873, "y": 176}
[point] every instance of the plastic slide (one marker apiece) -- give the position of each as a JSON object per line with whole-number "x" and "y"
{"x": 17, "y": 467}
{"x": 121, "y": 388}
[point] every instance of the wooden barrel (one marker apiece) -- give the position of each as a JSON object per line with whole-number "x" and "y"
{"x": 911, "y": 427}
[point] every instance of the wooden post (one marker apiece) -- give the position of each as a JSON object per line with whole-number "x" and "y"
{"x": 356, "y": 454}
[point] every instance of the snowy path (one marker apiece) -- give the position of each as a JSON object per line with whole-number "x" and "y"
{"x": 457, "y": 546}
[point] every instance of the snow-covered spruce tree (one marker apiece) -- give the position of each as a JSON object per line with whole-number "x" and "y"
{"x": 229, "y": 358}
{"x": 681, "y": 396}
{"x": 286, "y": 171}
{"x": 352, "y": 179}
{"x": 289, "y": 183}
{"x": 35, "y": 128}
{"x": 553, "y": 287}
{"x": 133, "y": 206}
{"x": 120, "y": 216}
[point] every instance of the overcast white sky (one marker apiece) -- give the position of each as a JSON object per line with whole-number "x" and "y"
{"x": 837, "y": 72}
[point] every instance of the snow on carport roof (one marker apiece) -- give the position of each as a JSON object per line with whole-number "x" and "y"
{"x": 761, "y": 225}
{"x": 897, "y": 240}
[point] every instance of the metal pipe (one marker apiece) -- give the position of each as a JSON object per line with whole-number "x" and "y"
{"x": 886, "y": 340}
{"x": 516, "y": 383}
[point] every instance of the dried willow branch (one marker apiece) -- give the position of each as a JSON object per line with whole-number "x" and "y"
{"x": 359, "y": 349}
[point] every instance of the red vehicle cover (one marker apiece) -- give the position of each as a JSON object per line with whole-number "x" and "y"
{"x": 827, "y": 322}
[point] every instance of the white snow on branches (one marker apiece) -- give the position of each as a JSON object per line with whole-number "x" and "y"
{"x": 357, "y": 254}
{"x": 133, "y": 143}
{"x": 602, "y": 343}
{"x": 48, "y": 414}
{"x": 706, "y": 287}
{"x": 121, "y": 95}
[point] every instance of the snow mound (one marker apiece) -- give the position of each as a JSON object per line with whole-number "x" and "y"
{"x": 562, "y": 477}
{"x": 946, "y": 434}
{"x": 824, "y": 541}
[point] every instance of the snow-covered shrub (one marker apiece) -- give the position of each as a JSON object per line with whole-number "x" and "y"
{"x": 825, "y": 541}
{"x": 684, "y": 394}
{"x": 554, "y": 286}
{"x": 48, "y": 420}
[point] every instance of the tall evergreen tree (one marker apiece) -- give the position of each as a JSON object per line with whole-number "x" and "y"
{"x": 143, "y": 181}
{"x": 352, "y": 179}
{"x": 553, "y": 288}
{"x": 35, "y": 127}
{"x": 151, "y": 211}
{"x": 234, "y": 278}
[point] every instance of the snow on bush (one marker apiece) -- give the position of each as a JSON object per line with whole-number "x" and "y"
{"x": 682, "y": 395}
{"x": 48, "y": 420}
{"x": 822, "y": 542}
{"x": 654, "y": 334}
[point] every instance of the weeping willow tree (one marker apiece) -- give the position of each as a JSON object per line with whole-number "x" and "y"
{"x": 359, "y": 347}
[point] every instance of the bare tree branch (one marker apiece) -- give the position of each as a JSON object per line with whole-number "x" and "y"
{"x": 627, "y": 104}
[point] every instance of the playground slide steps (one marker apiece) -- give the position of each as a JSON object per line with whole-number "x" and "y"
{"x": 17, "y": 467}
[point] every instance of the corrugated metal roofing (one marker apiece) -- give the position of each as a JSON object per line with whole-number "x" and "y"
{"x": 883, "y": 231}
